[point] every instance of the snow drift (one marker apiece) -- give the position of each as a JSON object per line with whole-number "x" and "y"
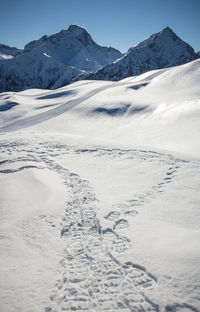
{"x": 159, "y": 108}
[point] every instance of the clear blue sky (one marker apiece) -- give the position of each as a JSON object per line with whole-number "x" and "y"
{"x": 117, "y": 23}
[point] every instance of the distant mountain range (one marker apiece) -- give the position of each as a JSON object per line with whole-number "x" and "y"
{"x": 70, "y": 55}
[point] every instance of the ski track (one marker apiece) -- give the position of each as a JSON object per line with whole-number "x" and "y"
{"x": 92, "y": 278}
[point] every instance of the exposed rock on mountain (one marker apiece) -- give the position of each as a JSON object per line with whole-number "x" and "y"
{"x": 7, "y": 52}
{"x": 53, "y": 61}
{"x": 161, "y": 50}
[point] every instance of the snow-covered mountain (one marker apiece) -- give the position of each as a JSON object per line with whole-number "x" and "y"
{"x": 7, "y": 52}
{"x": 53, "y": 61}
{"x": 161, "y": 50}
{"x": 70, "y": 55}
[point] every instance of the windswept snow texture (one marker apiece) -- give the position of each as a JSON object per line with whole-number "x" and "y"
{"x": 160, "y": 108}
{"x": 163, "y": 49}
{"x": 100, "y": 195}
{"x": 53, "y": 61}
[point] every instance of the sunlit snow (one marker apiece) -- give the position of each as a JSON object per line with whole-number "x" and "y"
{"x": 100, "y": 195}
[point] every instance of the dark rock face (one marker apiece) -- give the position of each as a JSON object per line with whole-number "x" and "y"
{"x": 161, "y": 50}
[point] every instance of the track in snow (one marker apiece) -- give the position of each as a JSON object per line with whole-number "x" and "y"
{"x": 92, "y": 279}
{"x": 91, "y": 276}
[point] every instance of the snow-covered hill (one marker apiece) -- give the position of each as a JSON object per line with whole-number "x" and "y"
{"x": 161, "y": 50}
{"x": 99, "y": 199}
{"x": 159, "y": 108}
{"x": 54, "y": 61}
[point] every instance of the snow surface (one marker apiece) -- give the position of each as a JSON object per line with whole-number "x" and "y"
{"x": 159, "y": 108}
{"x": 100, "y": 195}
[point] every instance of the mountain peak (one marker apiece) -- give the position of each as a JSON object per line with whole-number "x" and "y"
{"x": 161, "y": 50}
{"x": 77, "y": 31}
{"x": 164, "y": 39}
{"x": 74, "y": 27}
{"x": 81, "y": 34}
{"x": 74, "y": 31}
{"x": 53, "y": 61}
{"x": 167, "y": 29}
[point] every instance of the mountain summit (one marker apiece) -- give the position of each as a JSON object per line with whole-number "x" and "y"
{"x": 73, "y": 32}
{"x": 161, "y": 50}
{"x": 53, "y": 61}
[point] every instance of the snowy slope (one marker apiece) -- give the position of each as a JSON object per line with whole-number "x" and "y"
{"x": 92, "y": 228}
{"x": 53, "y": 61}
{"x": 137, "y": 110}
{"x": 161, "y": 50}
{"x": 99, "y": 205}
